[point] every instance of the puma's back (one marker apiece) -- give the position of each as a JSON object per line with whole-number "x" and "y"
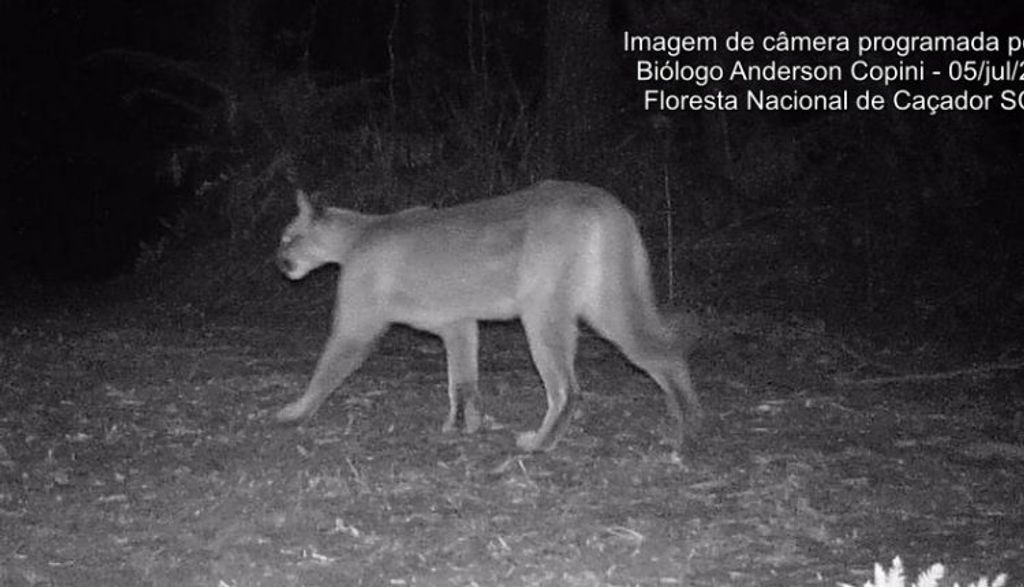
{"x": 550, "y": 254}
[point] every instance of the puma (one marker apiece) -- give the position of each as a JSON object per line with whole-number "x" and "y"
{"x": 550, "y": 254}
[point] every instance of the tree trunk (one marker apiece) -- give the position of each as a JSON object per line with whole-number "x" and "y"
{"x": 578, "y": 79}
{"x": 241, "y": 38}
{"x": 242, "y": 29}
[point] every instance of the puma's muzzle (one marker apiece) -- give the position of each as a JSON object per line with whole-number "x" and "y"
{"x": 285, "y": 265}
{"x": 293, "y": 267}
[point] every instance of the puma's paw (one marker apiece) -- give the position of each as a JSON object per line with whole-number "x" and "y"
{"x": 528, "y": 441}
{"x": 290, "y": 413}
{"x": 449, "y": 426}
{"x": 473, "y": 420}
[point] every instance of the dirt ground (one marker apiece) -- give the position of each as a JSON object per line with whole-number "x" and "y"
{"x": 136, "y": 449}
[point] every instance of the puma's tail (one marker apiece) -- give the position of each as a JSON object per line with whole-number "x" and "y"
{"x": 624, "y": 308}
{"x": 676, "y": 331}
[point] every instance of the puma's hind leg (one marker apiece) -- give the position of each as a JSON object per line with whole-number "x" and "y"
{"x": 552, "y": 336}
{"x": 662, "y": 353}
{"x": 461, "y": 344}
{"x": 672, "y": 374}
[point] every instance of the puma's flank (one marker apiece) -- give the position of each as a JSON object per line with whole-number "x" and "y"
{"x": 550, "y": 254}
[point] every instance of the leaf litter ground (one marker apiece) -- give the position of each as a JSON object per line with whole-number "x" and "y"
{"x": 135, "y": 449}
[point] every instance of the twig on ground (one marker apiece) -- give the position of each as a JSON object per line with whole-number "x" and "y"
{"x": 925, "y": 377}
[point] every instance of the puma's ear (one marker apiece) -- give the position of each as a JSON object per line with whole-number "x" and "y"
{"x": 305, "y": 207}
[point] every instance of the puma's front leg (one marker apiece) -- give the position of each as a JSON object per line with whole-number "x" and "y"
{"x": 345, "y": 351}
{"x": 461, "y": 341}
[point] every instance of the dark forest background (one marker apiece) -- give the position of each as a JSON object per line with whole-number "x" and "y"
{"x": 162, "y": 141}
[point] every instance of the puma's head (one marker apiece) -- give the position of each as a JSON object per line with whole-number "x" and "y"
{"x": 302, "y": 247}
{"x": 318, "y": 237}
